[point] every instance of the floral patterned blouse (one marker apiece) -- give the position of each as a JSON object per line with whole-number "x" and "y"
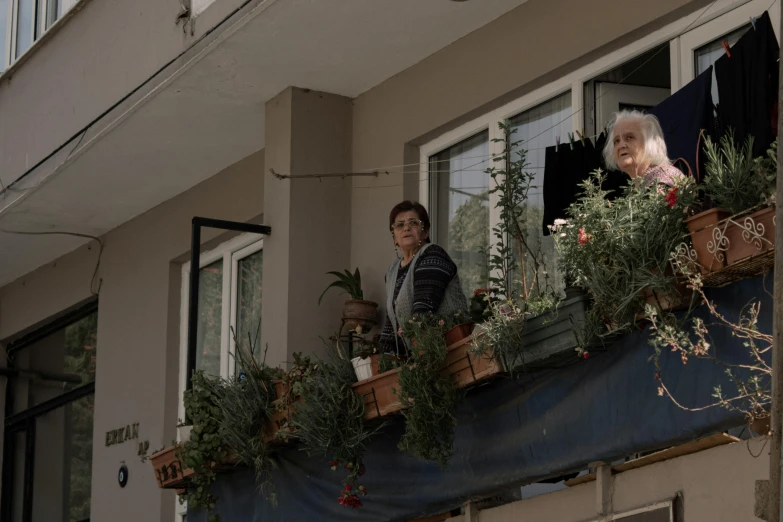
{"x": 667, "y": 174}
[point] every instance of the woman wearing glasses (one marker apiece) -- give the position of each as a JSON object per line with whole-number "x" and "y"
{"x": 422, "y": 279}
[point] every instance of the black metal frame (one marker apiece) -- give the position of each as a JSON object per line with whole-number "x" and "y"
{"x": 195, "y": 257}
{"x": 25, "y": 421}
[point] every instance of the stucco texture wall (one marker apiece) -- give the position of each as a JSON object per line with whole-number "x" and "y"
{"x": 138, "y": 327}
{"x": 65, "y": 81}
{"x": 717, "y": 485}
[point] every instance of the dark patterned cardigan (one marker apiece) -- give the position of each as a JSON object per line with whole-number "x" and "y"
{"x": 433, "y": 272}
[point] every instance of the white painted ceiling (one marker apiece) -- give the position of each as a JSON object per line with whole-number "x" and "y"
{"x": 212, "y": 115}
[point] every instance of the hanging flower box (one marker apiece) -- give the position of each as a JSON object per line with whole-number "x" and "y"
{"x": 750, "y": 235}
{"x": 168, "y": 468}
{"x": 466, "y": 367}
{"x": 550, "y": 339}
{"x": 380, "y": 394}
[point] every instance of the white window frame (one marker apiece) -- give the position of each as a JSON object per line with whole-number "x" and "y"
{"x": 723, "y": 12}
{"x": 230, "y": 252}
{"x": 38, "y": 33}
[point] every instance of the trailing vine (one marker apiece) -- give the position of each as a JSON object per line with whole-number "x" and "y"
{"x": 205, "y": 447}
{"x": 428, "y": 396}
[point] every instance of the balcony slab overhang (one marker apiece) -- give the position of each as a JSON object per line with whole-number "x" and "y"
{"x": 205, "y": 111}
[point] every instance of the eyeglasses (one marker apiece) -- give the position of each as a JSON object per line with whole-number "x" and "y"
{"x": 412, "y": 223}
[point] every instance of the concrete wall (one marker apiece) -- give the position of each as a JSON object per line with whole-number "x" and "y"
{"x": 502, "y": 60}
{"x": 66, "y": 80}
{"x": 717, "y": 485}
{"x": 138, "y": 325}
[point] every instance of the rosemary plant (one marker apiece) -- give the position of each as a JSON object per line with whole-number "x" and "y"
{"x": 246, "y": 404}
{"x": 330, "y": 423}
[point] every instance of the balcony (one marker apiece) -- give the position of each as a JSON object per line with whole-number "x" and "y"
{"x": 529, "y": 394}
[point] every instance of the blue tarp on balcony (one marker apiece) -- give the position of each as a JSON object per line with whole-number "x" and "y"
{"x": 518, "y": 431}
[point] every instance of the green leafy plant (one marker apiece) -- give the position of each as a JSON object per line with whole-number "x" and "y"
{"x": 619, "y": 250}
{"x": 349, "y": 283}
{"x": 429, "y": 397}
{"x": 734, "y": 179}
{"x": 517, "y": 249}
{"x": 330, "y": 423}
{"x": 245, "y": 401}
{"x": 205, "y": 448}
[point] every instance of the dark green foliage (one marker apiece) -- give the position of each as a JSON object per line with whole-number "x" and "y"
{"x": 205, "y": 447}
{"x": 734, "y": 179}
{"x": 428, "y": 396}
{"x": 330, "y": 421}
{"x": 246, "y": 404}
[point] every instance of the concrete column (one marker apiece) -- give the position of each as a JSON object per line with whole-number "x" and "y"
{"x": 306, "y": 132}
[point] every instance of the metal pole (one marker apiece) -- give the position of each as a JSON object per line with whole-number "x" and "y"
{"x": 776, "y": 422}
{"x": 195, "y": 251}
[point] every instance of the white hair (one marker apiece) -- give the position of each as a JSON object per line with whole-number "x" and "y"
{"x": 655, "y": 152}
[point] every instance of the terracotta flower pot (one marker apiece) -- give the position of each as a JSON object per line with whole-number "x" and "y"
{"x": 459, "y": 332}
{"x": 467, "y": 368}
{"x": 706, "y": 237}
{"x": 168, "y": 468}
{"x": 376, "y": 362}
{"x": 280, "y": 388}
{"x": 380, "y": 394}
{"x": 751, "y": 235}
{"x": 360, "y": 313}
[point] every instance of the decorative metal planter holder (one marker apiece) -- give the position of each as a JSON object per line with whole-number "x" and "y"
{"x": 742, "y": 246}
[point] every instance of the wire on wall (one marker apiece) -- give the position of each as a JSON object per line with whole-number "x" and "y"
{"x": 93, "y": 290}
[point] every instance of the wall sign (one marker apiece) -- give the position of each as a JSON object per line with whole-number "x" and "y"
{"x": 118, "y": 436}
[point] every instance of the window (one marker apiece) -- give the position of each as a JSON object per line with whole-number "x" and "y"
{"x": 460, "y": 190}
{"x": 47, "y": 463}
{"x": 26, "y": 21}
{"x": 229, "y": 307}
{"x": 539, "y": 128}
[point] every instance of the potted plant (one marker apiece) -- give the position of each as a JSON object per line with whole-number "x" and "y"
{"x": 357, "y": 313}
{"x": 169, "y": 471}
{"x": 458, "y": 327}
{"x": 740, "y": 184}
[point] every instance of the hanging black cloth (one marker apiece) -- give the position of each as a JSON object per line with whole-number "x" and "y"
{"x": 564, "y": 169}
{"x": 748, "y": 86}
{"x": 683, "y": 115}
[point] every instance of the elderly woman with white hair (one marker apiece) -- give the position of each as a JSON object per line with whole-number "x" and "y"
{"x": 636, "y": 146}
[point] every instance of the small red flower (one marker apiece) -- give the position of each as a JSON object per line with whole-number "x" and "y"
{"x": 584, "y": 237}
{"x": 479, "y": 291}
{"x": 348, "y": 487}
{"x": 586, "y": 355}
{"x": 361, "y": 472}
{"x": 671, "y": 197}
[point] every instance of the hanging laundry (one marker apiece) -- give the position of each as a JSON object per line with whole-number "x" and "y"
{"x": 748, "y": 86}
{"x": 683, "y": 115}
{"x": 564, "y": 169}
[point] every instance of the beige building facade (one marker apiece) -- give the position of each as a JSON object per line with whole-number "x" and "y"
{"x": 120, "y": 122}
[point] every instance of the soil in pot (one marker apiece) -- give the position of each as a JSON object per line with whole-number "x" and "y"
{"x": 360, "y": 313}
{"x": 459, "y": 332}
{"x": 702, "y": 227}
{"x": 753, "y": 235}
